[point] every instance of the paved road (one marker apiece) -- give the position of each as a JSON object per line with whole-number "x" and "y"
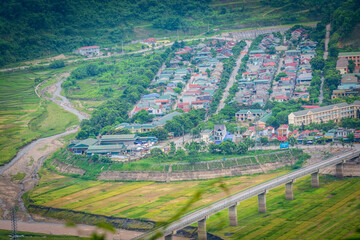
{"x": 327, "y": 38}
{"x": 232, "y": 78}
{"x": 256, "y": 190}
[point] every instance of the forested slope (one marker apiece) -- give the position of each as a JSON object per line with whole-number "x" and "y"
{"x": 38, "y": 28}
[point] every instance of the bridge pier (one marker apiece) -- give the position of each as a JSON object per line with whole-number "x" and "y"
{"x": 315, "y": 180}
{"x": 262, "y": 202}
{"x": 289, "y": 194}
{"x": 233, "y": 215}
{"x": 169, "y": 237}
{"x": 339, "y": 170}
{"x": 202, "y": 234}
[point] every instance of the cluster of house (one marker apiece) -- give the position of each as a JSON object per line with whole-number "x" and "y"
{"x": 203, "y": 83}
{"x": 113, "y": 145}
{"x": 350, "y": 82}
{"x": 261, "y": 68}
{"x": 349, "y": 86}
{"x": 296, "y": 66}
{"x": 220, "y": 134}
{"x": 164, "y": 95}
{"x": 147, "y": 127}
{"x": 198, "y": 87}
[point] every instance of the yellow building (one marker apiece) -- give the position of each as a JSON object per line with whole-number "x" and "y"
{"x": 334, "y": 112}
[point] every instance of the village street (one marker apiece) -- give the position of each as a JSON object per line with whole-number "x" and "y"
{"x": 233, "y": 76}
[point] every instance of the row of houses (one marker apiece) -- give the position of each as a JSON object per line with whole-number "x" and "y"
{"x": 164, "y": 95}
{"x": 200, "y": 89}
{"x": 256, "y": 81}
{"x": 296, "y": 66}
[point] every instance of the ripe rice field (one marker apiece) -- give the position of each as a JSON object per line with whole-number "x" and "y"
{"x": 329, "y": 212}
{"x": 145, "y": 200}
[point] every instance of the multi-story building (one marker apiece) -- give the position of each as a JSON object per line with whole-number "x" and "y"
{"x": 91, "y": 50}
{"x": 250, "y": 114}
{"x": 355, "y": 56}
{"x": 334, "y": 112}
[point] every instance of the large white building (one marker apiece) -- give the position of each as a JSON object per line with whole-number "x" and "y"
{"x": 334, "y": 112}
{"x": 91, "y": 50}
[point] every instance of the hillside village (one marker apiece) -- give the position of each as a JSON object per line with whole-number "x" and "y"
{"x": 277, "y": 69}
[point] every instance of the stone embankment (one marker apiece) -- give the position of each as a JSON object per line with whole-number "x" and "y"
{"x": 193, "y": 175}
{"x": 67, "y": 168}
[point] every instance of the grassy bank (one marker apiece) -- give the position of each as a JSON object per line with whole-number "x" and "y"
{"x": 162, "y": 163}
{"x": 23, "y": 115}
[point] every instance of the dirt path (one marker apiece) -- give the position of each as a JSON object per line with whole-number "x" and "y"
{"x": 327, "y": 38}
{"x": 232, "y": 77}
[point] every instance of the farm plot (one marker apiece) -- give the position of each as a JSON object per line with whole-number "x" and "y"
{"x": 330, "y": 212}
{"x": 23, "y": 116}
{"x": 145, "y": 200}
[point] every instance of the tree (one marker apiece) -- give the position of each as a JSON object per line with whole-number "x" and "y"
{"x": 95, "y": 158}
{"x": 317, "y": 63}
{"x": 156, "y": 152}
{"x": 241, "y": 148}
{"x": 292, "y": 141}
{"x": 264, "y": 140}
{"x": 249, "y": 142}
{"x": 208, "y": 72}
{"x": 273, "y": 122}
{"x": 351, "y": 137}
{"x": 172, "y": 148}
{"x": 142, "y": 116}
{"x": 57, "y": 64}
{"x": 351, "y": 66}
{"x": 227, "y": 147}
{"x": 180, "y": 154}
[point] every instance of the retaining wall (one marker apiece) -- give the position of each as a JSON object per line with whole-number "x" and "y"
{"x": 191, "y": 175}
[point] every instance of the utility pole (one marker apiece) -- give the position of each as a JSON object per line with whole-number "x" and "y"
{"x": 122, "y": 47}
{"x": 13, "y": 224}
{"x": 183, "y": 134}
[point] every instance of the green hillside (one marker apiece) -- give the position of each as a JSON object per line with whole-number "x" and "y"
{"x": 38, "y": 28}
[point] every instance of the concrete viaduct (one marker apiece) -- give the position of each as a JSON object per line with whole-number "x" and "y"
{"x": 260, "y": 190}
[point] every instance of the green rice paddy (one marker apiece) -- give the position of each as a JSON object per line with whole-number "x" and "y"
{"x": 23, "y": 115}
{"x": 329, "y": 212}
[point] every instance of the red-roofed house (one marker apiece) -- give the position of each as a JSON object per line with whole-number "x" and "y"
{"x": 281, "y": 98}
{"x": 269, "y": 64}
{"x": 90, "y": 50}
{"x": 269, "y": 131}
{"x": 310, "y": 106}
{"x": 283, "y": 131}
{"x": 150, "y": 40}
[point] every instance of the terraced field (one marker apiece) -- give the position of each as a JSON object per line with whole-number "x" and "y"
{"x": 146, "y": 200}
{"x": 330, "y": 212}
{"x": 23, "y": 116}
